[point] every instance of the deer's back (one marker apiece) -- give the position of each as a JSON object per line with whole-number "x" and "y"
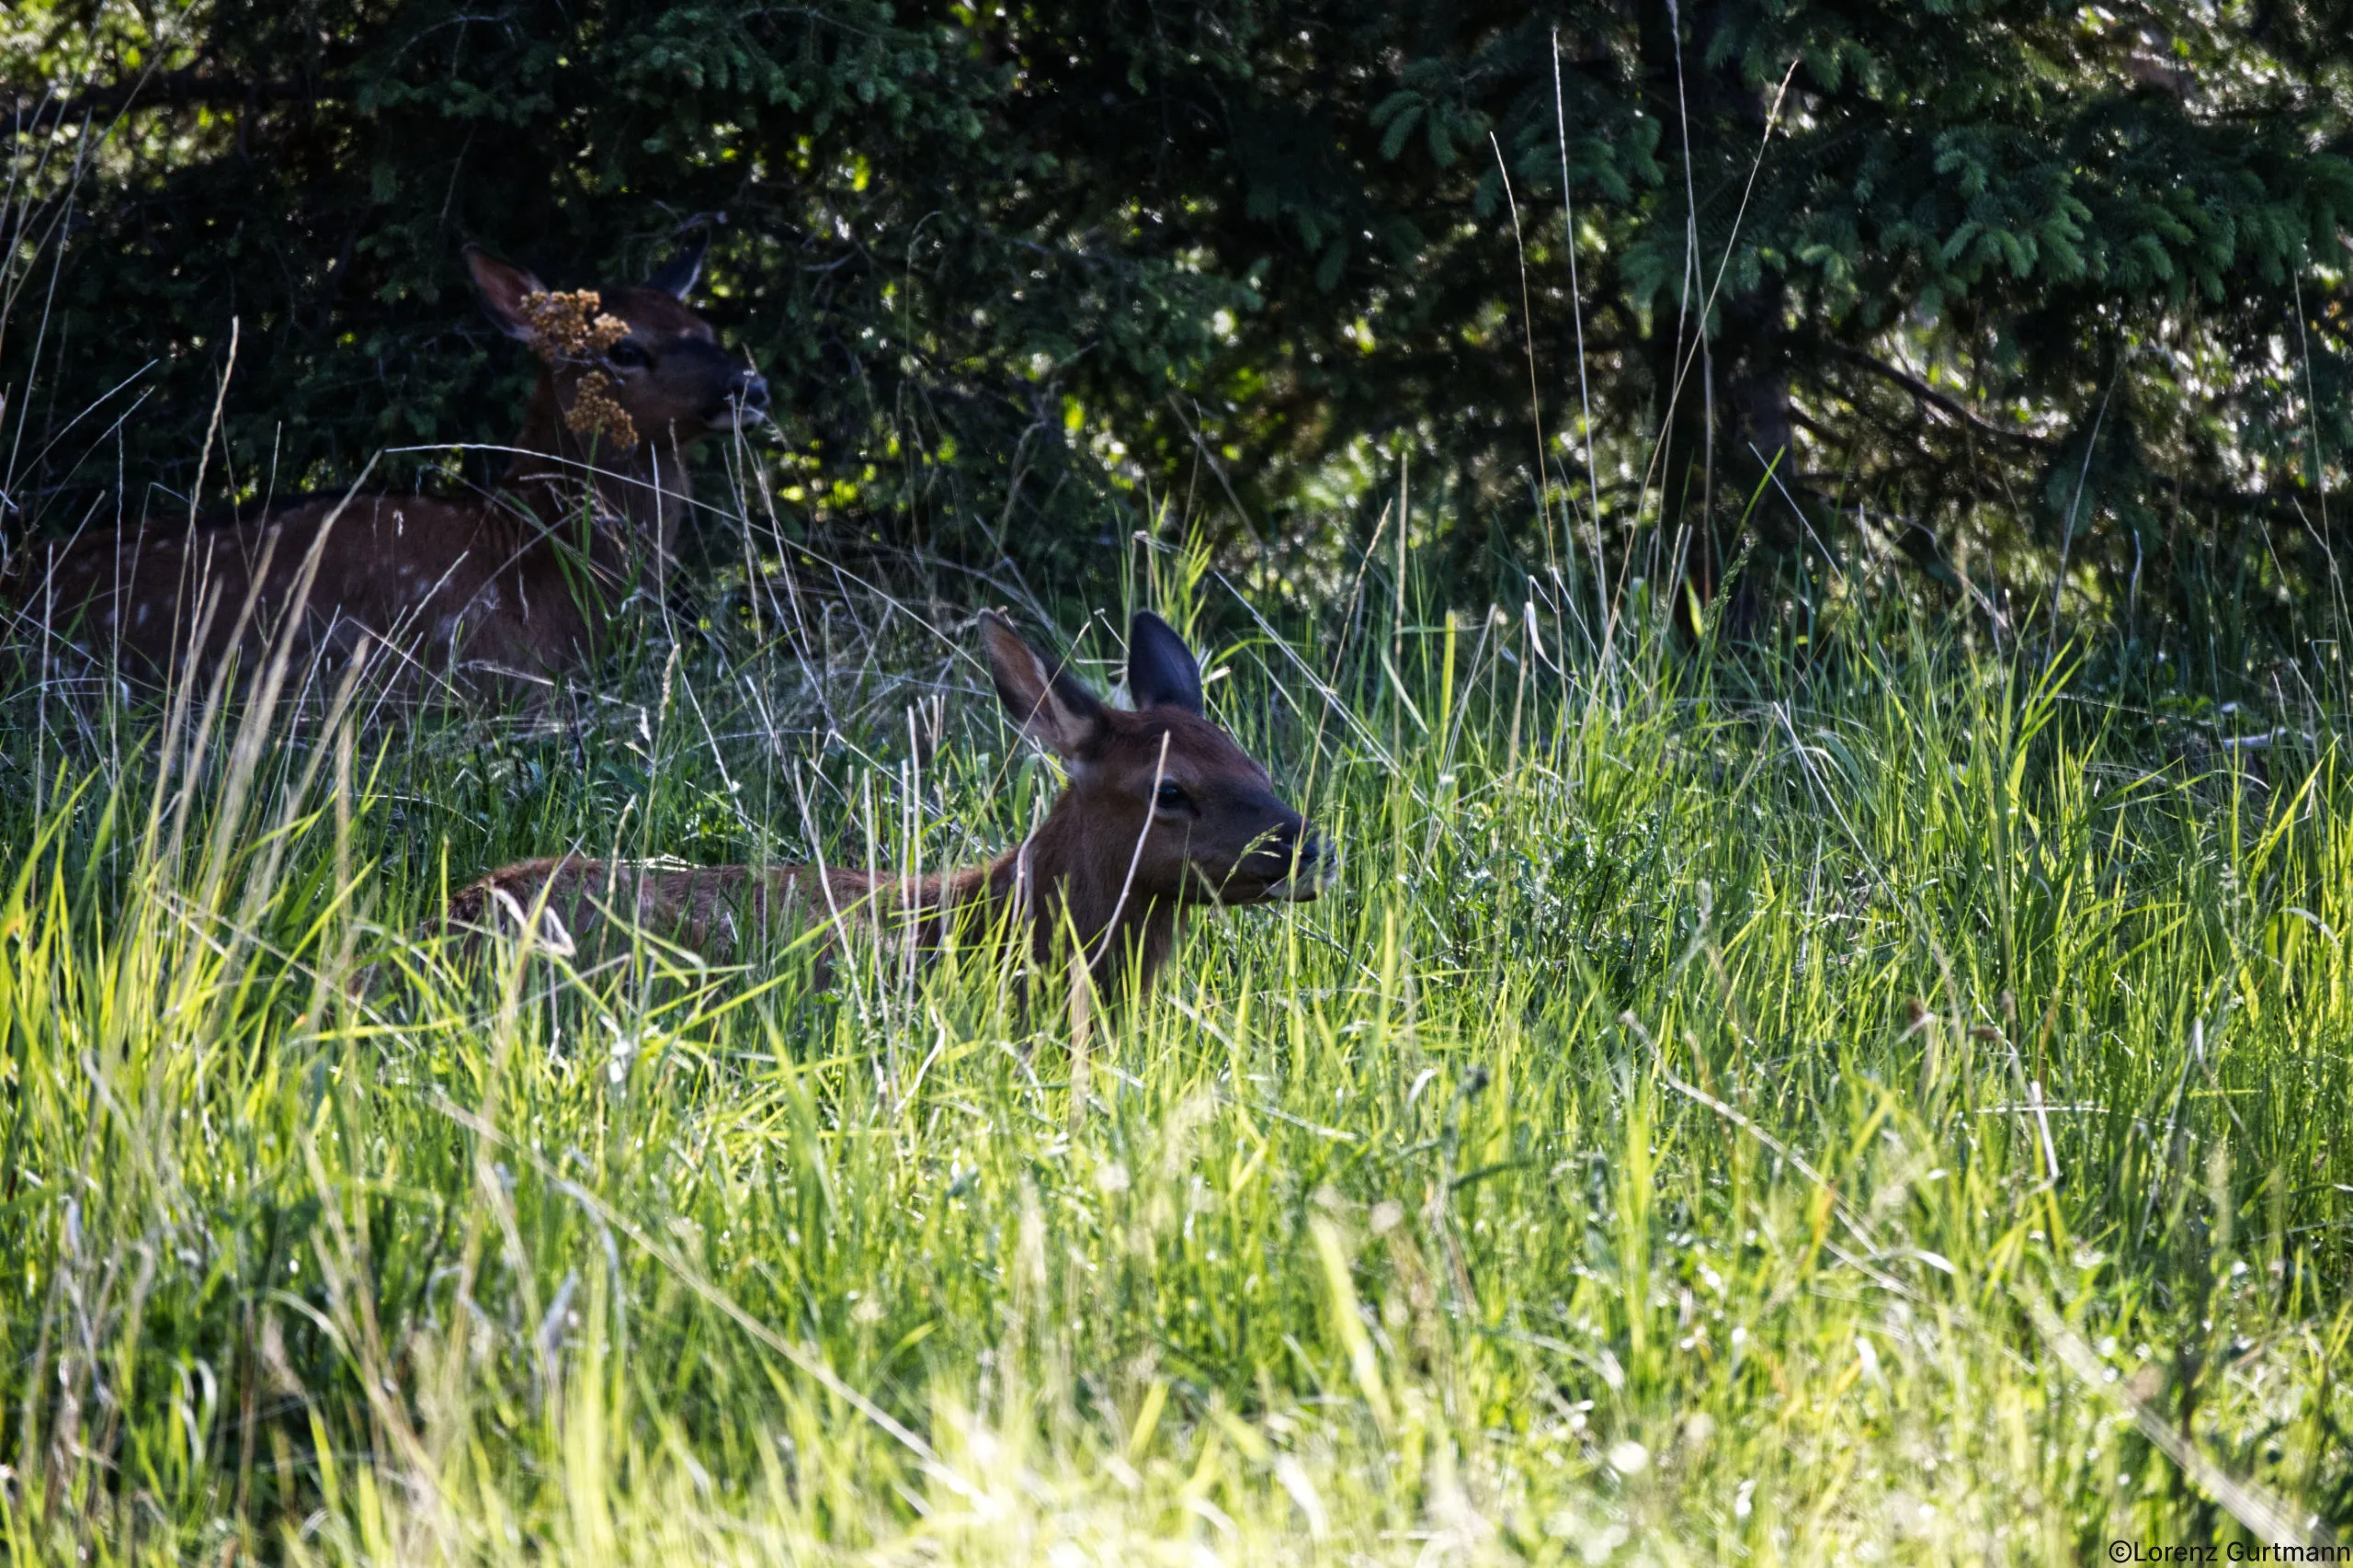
{"x": 432, "y": 577}
{"x": 711, "y": 910}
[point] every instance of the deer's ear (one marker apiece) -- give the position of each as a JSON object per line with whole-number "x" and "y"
{"x": 677, "y": 276}
{"x": 1049, "y": 704}
{"x": 502, "y": 288}
{"x": 1162, "y": 672}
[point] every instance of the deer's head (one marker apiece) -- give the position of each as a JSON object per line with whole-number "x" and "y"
{"x": 1159, "y": 789}
{"x": 633, "y": 351}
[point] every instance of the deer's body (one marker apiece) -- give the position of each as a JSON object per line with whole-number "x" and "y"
{"x": 442, "y": 581}
{"x": 1163, "y": 814}
{"x": 523, "y": 579}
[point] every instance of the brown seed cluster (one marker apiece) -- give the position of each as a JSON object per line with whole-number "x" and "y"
{"x": 570, "y": 327}
{"x": 594, "y": 411}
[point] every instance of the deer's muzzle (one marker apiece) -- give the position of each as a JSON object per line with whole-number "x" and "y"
{"x": 1290, "y": 868}
{"x": 746, "y": 405}
{"x": 1313, "y": 866}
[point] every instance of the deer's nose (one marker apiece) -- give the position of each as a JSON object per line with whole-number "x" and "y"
{"x": 750, "y": 393}
{"x": 1316, "y": 860}
{"x": 1299, "y": 864}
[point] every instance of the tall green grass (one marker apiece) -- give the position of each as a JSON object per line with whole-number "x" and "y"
{"x": 1885, "y": 1107}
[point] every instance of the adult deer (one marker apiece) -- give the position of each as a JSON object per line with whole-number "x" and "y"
{"x": 1163, "y": 812}
{"x": 523, "y": 580}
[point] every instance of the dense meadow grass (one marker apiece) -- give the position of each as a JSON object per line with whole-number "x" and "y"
{"x": 1880, "y": 1106}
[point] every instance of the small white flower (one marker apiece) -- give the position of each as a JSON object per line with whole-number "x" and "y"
{"x": 1597, "y": 1546}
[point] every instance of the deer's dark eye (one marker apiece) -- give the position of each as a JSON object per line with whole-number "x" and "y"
{"x": 626, "y": 355}
{"x": 1171, "y": 797}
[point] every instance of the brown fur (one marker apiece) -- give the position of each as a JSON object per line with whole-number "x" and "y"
{"x": 522, "y": 580}
{"x": 1111, "y": 866}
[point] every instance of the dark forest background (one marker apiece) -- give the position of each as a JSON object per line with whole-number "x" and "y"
{"x": 2011, "y": 294}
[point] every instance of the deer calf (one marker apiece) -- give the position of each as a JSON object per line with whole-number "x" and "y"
{"x": 522, "y": 580}
{"x": 1163, "y": 812}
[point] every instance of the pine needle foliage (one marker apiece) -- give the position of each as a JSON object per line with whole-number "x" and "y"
{"x": 2046, "y": 300}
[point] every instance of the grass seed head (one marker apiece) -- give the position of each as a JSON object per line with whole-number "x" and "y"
{"x": 594, "y": 410}
{"x": 571, "y": 326}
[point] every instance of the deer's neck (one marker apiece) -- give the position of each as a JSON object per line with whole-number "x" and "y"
{"x": 1054, "y": 890}
{"x": 632, "y": 496}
